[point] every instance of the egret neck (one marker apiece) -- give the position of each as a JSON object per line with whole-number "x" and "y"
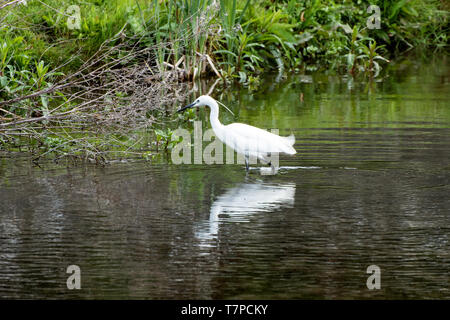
{"x": 214, "y": 118}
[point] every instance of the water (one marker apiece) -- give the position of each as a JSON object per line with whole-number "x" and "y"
{"x": 368, "y": 186}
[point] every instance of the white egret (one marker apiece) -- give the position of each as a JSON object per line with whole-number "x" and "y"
{"x": 245, "y": 139}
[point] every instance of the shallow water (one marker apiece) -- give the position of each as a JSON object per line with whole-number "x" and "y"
{"x": 368, "y": 186}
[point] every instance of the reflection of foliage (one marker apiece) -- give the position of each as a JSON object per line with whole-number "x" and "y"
{"x": 343, "y": 102}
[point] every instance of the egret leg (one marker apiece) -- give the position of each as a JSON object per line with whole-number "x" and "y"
{"x": 272, "y": 167}
{"x": 246, "y": 163}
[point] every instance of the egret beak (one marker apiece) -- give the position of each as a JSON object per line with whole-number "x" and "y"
{"x": 186, "y": 107}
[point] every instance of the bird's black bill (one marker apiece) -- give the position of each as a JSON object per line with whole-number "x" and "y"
{"x": 186, "y": 107}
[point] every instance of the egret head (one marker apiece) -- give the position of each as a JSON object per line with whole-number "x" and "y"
{"x": 204, "y": 101}
{"x": 199, "y": 102}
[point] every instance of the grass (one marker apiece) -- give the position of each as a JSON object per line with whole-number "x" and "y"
{"x": 238, "y": 36}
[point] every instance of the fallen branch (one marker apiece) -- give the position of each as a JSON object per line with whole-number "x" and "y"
{"x": 211, "y": 63}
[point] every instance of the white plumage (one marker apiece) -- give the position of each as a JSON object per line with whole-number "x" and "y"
{"x": 245, "y": 139}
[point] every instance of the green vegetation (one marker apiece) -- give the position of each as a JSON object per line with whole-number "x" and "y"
{"x": 68, "y": 65}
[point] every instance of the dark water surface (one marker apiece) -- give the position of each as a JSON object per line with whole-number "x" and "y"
{"x": 370, "y": 185}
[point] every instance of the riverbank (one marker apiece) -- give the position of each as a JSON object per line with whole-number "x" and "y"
{"x": 99, "y": 81}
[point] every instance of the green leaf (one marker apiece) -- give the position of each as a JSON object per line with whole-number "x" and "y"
{"x": 242, "y": 76}
{"x": 350, "y": 60}
{"x": 345, "y": 27}
{"x": 377, "y": 68}
{"x": 44, "y": 101}
{"x": 255, "y": 44}
{"x": 44, "y": 108}
{"x": 396, "y": 8}
{"x": 355, "y": 33}
{"x": 305, "y": 36}
{"x": 283, "y": 31}
{"x": 17, "y": 40}
{"x": 3, "y": 81}
{"x": 227, "y": 52}
{"x": 381, "y": 58}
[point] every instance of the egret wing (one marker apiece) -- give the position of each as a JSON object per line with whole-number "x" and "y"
{"x": 245, "y": 137}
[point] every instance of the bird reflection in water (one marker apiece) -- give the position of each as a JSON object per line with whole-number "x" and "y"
{"x": 242, "y": 203}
